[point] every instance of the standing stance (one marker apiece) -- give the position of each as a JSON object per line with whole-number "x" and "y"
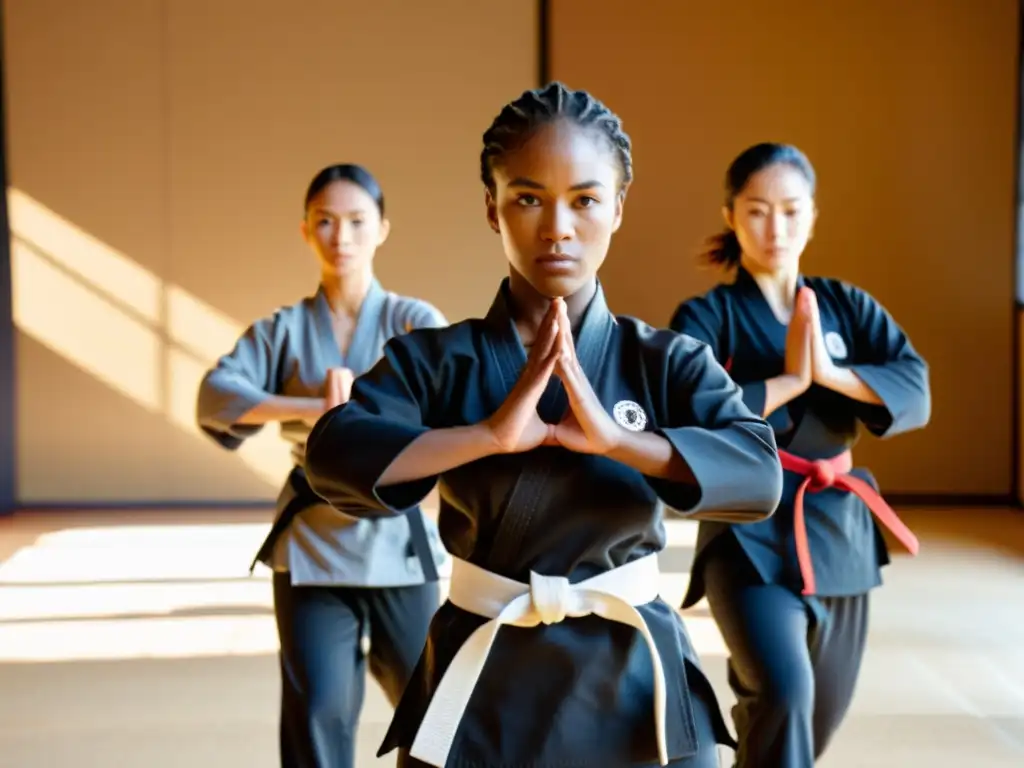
{"x": 816, "y": 357}
{"x": 341, "y": 581}
{"x": 558, "y": 432}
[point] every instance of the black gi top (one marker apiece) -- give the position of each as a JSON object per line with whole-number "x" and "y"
{"x": 736, "y": 322}
{"x": 579, "y": 692}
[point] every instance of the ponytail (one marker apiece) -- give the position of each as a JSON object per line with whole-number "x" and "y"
{"x": 722, "y": 250}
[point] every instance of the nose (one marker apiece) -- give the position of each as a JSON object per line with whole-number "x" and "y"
{"x": 557, "y": 224}
{"x": 343, "y": 232}
{"x": 776, "y": 226}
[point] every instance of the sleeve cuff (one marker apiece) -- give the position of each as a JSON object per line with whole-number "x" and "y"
{"x": 341, "y": 471}
{"x": 738, "y": 474}
{"x": 904, "y": 406}
{"x": 220, "y": 409}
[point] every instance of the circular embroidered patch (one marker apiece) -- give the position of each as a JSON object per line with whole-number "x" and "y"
{"x": 835, "y": 345}
{"x": 630, "y": 415}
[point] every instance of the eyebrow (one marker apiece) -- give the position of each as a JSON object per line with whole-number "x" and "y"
{"x": 325, "y": 212}
{"x": 522, "y": 181}
{"x": 768, "y": 202}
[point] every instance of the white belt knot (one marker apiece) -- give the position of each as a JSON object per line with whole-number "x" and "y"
{"x": 613, "y": 595}
{"x": 551, "y": 598}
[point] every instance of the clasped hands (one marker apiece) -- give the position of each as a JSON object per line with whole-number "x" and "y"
{"x": 337, "y": 390}
{"x": 807, "y": 357}
{"x": 587, "y": 427}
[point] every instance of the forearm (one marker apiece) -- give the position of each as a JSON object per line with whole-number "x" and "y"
{"x": 437, "y": 451}
{"x": 281, "y": 408}
{"x": 651, "y": 455}
{"x": 846, "y": 382}
{"x": 779, "y": 391}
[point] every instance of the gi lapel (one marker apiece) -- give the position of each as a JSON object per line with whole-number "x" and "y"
{"x": 591, "y": 341}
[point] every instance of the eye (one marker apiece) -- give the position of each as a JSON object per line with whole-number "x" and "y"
{"x": 586, "y": 201}
{"x": 755, "y": 213}
{"x": 358, "y": 222}
{"x": 527, "y": 200}
{"x": 323, "y": 222}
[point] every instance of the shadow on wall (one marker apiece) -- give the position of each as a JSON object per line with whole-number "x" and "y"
{"x": 148, "y": 340}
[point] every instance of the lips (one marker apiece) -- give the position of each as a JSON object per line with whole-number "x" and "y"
{"x": 556, "y": 258}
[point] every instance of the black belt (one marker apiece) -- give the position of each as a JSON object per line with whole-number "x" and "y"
{"x": 306, "y": 497}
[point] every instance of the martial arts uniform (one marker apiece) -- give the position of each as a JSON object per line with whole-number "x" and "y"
{"x": 789, "y": 595}
{"x": 526, "y": 529}
{"x": 344, "y": 585}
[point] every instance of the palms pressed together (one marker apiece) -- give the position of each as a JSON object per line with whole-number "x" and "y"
{"x": 586, "y": 428}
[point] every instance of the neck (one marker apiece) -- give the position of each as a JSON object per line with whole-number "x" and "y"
{"x": 778, "y": 286}
{"x": 345, "y": 294}
{"x": 529, "y": 305}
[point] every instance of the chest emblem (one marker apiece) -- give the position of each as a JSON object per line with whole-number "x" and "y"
{"x": 835, "y": 345}
{"x": 630, "y": 415}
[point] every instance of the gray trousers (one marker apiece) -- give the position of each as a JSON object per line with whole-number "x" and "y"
{"x": 323, "y": 666}
{"x": 793, "y": 669}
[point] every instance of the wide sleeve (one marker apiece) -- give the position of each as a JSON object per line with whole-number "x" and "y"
{"x": 885, "y": 360}
{"x": 730, "y": 451}
{"x": 703, "y": 319}
{"x": 352, "y": 445}
{"x": 416, "y": 313}
{"x": 240, "y": 381}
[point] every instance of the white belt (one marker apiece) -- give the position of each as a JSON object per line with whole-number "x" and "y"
{"x": 548, "y": 600}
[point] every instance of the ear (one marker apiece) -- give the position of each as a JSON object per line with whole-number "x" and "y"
{"x": 727, "y": 215}
{"x": 385, "y": 230}
{"x": 304, "y": 230}
{"x": 814, "y": 220}
{"x": 620, "y": 204}
{"x": 492, "y": 211}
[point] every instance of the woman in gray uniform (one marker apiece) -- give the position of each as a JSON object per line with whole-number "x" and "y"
{"x": 345, "y": 587}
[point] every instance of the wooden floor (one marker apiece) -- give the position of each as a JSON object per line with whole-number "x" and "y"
{"x": 137, "y": 640}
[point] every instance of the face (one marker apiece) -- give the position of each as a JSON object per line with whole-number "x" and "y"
{"x": 557, "y": 201}
{"x": 343, "y": 226}
{"x": 773, "y": 218}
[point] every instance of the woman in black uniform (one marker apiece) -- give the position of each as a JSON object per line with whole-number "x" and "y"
{"x": 558, "y": 432}
{"x": 818, "y": 358}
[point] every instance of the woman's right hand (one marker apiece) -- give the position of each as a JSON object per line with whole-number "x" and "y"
{"x": 799, "y": 361}
{"x": 516, "y": 426}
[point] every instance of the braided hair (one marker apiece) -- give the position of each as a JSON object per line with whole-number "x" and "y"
{"x": 520, "y": 119}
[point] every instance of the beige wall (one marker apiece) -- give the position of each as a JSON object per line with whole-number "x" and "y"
{"x": 158, "y": 153}
{"x": 907, "y": 109}
{"x": 159, "y": 150}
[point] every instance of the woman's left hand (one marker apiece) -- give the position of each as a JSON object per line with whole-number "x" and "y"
{"x": 587, "y": 427}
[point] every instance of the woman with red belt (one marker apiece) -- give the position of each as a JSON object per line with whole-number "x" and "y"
{"x": 817, "y": 358}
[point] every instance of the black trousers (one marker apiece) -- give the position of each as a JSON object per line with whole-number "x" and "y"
{"x": 323, "y": 666}
{"x": 707, "y": 757}
{"x": 793, "y": 669}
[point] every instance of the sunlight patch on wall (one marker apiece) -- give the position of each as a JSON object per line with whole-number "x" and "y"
{"x": 199, "y": 329}
{"x": 87, "y": 330}
{"x": 104, "y": 313}
{"x": 116, "y": 275}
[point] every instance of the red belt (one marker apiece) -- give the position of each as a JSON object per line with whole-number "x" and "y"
{"x": 835, "y": 473}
